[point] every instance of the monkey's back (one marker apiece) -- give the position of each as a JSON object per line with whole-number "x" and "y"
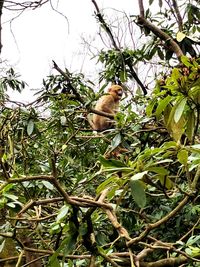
{"x": 106, "y": 104}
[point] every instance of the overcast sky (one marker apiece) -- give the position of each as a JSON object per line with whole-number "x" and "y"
{"x": 37, "y": 37}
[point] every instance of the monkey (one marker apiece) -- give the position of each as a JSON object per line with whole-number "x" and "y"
{"x": 108, "y": 103}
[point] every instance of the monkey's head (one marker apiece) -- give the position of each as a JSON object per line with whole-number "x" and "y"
{"x": 116, "y": 91}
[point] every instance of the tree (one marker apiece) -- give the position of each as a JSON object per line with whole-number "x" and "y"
{"x": 128, "y": 196}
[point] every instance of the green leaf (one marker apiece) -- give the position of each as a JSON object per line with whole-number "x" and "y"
{"x": 48, "y": 185}
{"x": 159, "y": 170}
{"x": 190, "y": 125}
{"x": 111, "y": 163}
{"x": 64, "y": 147}
{"x": 11, "y": 205}
{"x": 170, "y": 144}
{"x": 67, "y": 246}
{"x": 152, "y": 52}
{"x": 10, "y": 196}
{"x": 7, "y": 188}
{"x": 165, "y": 181}
{"x": 138, "y": 176}
{"x": 179, "y": 109}
{"x": 175, "y": 129}
{"x": 53, "y": 261}
{"x": 168, "y": 55}
{"x": 183, "y": 157}
{"x": 196, "y": 146}
{"x": 116, "y": 141}
{"x": 30, "y": 127}
{"x": 3, "y": 201}
{"x": 188, "y": 251}
{"x": 162, "y": 161}
{"x": 195, "y": 251}
{"x": 138, "y": 192}
{"x": 192, "y": 240}
{"x": 62, "y": 213}
{"x": 123, "y": 76}
{"x": 194, "y": 91}
{"x": 167, "y": 115}
{"x": 186, "y": 61}
{"x": 174, "y": 76}
{"x": 2, "y": 246}
{"x": 151, "y": 106}
{"x": 162, "y": 104}
{"x": 107, "y": 183}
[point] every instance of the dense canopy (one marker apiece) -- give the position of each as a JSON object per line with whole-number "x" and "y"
{"x": 126, "y": 196}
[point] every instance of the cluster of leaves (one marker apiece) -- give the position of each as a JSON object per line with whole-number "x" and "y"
{"x": 124, "y": 197}
{"x": 146, "y": 172}
{"x": 10, "y": 81}
{"x": 183, "y": 36}
{"x": 177, "y": 99}
{"x": 116, "y": 64}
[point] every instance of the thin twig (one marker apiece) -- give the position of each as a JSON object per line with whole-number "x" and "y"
{"x": 178, "y": 15}
{"x": 110, "y": 35}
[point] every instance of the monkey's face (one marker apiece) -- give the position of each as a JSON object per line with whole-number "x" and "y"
{"x": 116, "y": 91}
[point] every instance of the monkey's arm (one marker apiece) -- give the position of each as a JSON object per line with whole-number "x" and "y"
{"x": 106, "y": 104}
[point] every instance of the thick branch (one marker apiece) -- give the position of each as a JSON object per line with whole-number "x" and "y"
{"x": 168, "y": 262}
{"x": 141, "y": 8}
{"x": 120, "y": 229}
{"x": 162, "y": 35}
{"x": 82, "y": 202}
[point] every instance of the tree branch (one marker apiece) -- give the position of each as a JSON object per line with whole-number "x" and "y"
{"x": 109, "y": 33}
{"x": 160, "y": 222}
{"x": 67, "y": 77}
{"x": 196, "y": 178}
{"x": 141, "y": 8}
{"x": 178, "y": 15}
{"x": 162, "y": 35}
{"x": 105, "y": 25}
{"x": 1, "y": 8}
{"x": 168, "y": 262}
{"x": 82, "y": 202}
{"x": 142, "y": 21}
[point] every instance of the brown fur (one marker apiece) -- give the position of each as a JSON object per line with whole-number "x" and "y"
{"x": 108, "y": 103}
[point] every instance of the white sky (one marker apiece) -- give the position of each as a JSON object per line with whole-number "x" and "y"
{"x": 37, "y": 37}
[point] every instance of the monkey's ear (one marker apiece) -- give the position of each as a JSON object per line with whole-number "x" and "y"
{"x": 110, "y": 89}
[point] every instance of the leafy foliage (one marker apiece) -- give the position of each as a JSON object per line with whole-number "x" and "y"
{"x": 123, "y": 197}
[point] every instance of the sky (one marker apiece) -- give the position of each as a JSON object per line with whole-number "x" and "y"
{"x": 36, "y": 37}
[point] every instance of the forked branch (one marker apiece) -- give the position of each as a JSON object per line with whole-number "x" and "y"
{"x": 142, "y": 21}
